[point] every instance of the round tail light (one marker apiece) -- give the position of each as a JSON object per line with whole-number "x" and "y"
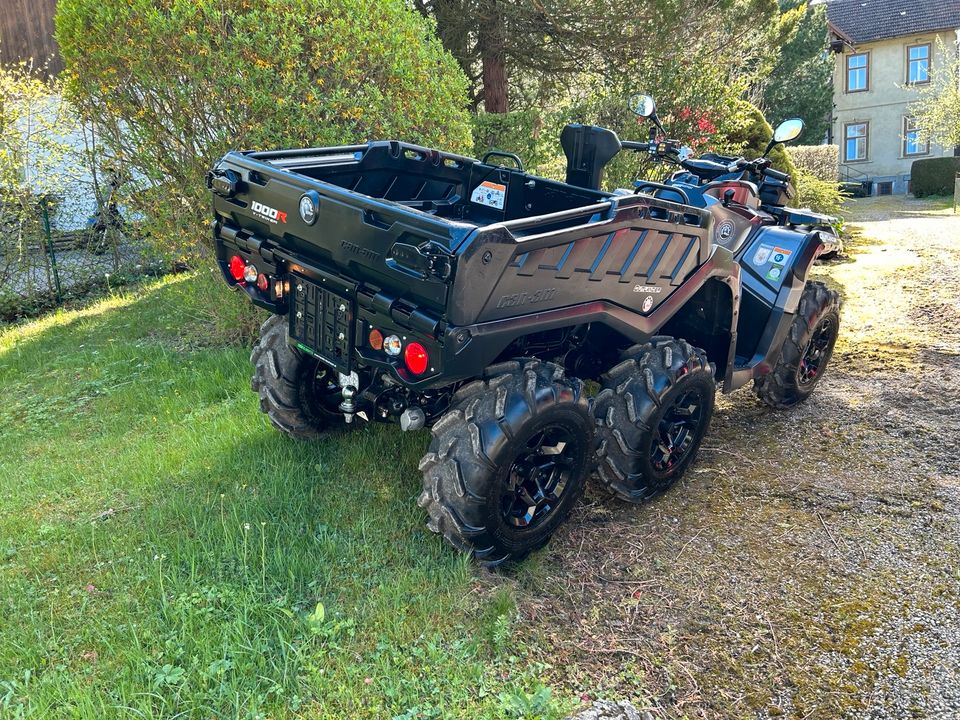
{"x": 250, "y": 273}
{"x": 392, "y": 345}
{"x": 263, "y": 282}
{"x": 237, "y": 266}
{"x": 416, "y": 358}
{"x": 376, "y": 339}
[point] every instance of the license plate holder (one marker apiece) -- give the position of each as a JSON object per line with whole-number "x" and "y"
{"x": 321, "y": 323}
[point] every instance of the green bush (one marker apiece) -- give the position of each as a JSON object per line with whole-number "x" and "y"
{"x": 821, "y": 161}
{"x": 752, "y": 136}
{"x": 819, "y": 195}
{"x": 531, "y": 134}
{"x": 173, "y": 85}
{"x": 934, "y": 176}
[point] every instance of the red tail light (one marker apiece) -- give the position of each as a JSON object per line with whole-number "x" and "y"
{"x": 237, "y": 266}
{"x": 416, "y": 358}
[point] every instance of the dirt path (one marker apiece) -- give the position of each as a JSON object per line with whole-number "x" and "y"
{"x": 809, "y": 566}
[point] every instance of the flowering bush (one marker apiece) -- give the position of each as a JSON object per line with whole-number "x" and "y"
{"x": 172, "y": 85}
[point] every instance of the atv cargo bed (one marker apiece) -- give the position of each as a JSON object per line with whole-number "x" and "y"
{"x": 441, "y": 241}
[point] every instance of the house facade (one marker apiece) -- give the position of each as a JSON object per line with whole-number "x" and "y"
{"x": 885, "y": 50}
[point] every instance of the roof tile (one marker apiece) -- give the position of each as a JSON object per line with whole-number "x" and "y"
{"x": 868, "y": 20}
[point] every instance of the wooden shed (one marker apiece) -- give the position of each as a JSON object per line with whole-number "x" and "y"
{"x": 26, "y": 32}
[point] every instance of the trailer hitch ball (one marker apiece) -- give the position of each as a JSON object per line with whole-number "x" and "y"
{"x": 413, "y": 418}
{"x": 348, "y": 407}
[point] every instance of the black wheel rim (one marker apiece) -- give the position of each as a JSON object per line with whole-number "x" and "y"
{"x": 324, "y": 391}
{"x": 539, "y": 476}
{"x": 817, "y": 352}
{"x": 677, "y": 432}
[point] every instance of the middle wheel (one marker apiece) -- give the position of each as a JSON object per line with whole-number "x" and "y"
{"x": 652, "y": 413}
{"x": 508, "y": 461}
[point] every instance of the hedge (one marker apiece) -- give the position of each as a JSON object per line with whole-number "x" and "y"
{"x": 934, "y": 176}
{"x": 820, "y": 161}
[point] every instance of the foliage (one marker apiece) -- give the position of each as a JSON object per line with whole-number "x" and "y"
{"x": 934, "y": 176}
{"x": 173, "y": 85}
{"x": 820, "y": 161}
{"x": 799, "y": 84}
{"x": 164, "y": 551}
{"x": 753, "y": 135}
{"x": 937, "y": 112}
{"x": 532, "y": 134}
{"x": 32, "y": 126}
{"x": 820, "y": 195}
{"x": 559, "y": 51}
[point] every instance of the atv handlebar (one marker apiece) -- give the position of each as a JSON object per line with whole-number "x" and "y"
{"x": 704, "y": 168}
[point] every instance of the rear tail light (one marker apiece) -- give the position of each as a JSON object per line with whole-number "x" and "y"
{"x": 237, "y": 266}
{"x": 416, "y": 359}
{"x": 376, "y": 339}
{"x": 263, "y": 282}
{"x": 250, "y": 273}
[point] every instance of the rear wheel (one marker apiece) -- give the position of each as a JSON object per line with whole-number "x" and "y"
{"x": 508, "y": 461}
{"x": 806, "y": 351}
{"x": 652, "y": 413}
{"x": 300, "y": 394}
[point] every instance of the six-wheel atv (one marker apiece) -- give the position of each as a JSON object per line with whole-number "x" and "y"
{"x": 431, "y": 289}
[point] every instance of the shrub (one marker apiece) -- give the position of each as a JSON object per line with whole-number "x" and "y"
{"x": 934, "y": 176}
{"x": 819, "y": 195}
{"x": 173, "y": 85}
{"x": 532, "y": 134}
{"x": 820, "y": 161}
{"x": 753, "y": 135}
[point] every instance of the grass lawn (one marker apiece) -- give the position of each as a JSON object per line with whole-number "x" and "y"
{"x": 165, "y": 553}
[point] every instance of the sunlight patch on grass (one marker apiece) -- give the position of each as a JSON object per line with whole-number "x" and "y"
{"x": 166, "y": 553}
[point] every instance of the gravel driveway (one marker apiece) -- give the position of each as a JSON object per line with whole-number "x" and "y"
{"x": 809, "y": 566}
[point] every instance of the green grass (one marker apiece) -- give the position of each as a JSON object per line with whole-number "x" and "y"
{"x": 165, "y": 553}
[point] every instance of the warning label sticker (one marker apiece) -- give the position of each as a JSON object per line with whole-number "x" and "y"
{"x": 490, "y": 194}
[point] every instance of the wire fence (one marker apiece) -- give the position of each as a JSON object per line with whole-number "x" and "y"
{"x": 64, "y": 228}
{"x": 43, "y": 265}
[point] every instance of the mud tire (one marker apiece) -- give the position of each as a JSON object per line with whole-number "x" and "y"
{"x": 784, "y": 387}
{"x": 480, "y": 449}
{"x": 640, "y": 407}
{"x": 290, "y": 385}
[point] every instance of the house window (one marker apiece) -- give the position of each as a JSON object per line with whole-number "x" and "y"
{"x": 855, "y": 142}
{"x": 918, "y": 64}
{"x": 858, "y": 72}
{"x": 911, "y": 139}
{"x": 885, "y": 188}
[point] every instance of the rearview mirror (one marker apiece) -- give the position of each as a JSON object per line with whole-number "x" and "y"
{"x": 788, "y": 130}
{"x": 642, "y": 105}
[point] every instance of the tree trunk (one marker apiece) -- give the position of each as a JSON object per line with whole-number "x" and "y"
{"x": 490, "y": 42}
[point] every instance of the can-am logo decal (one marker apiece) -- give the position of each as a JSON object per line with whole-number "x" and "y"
{"x": 265, "y": 211}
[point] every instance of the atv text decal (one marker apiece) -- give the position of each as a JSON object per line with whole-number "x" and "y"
{"x": 525, "y": 298}
{"x": 271, "y": 214}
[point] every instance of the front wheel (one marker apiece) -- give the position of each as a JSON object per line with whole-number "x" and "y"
{"x": 508, "y": 461}
{"x": 806, "y": 351}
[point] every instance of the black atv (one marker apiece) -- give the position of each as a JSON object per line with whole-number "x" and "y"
{"x": 431, "y": 289}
